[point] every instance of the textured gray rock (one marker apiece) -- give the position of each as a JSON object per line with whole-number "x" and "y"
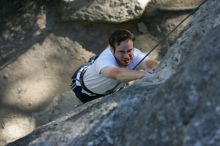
{"x": 181, "y": 109}
{"x": 203, "y": 21}
{"x": 103, "y": 10}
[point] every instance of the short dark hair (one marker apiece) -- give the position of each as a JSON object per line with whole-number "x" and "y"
{"x": 120, "y": 35}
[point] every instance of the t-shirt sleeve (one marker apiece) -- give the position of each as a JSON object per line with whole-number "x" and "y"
{"x": 104, "y": 61}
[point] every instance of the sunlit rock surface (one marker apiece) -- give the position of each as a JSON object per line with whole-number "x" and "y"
{"x": 103, "y": 10}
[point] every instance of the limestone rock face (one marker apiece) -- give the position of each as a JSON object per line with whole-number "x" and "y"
{"x": 176, "y": 108}
{"x": 103, "y": 10}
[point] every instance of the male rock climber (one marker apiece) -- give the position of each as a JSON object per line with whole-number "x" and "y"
{"x": 102, "y": 74}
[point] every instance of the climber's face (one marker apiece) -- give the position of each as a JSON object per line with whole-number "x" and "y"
{"x": 124, "y": 52}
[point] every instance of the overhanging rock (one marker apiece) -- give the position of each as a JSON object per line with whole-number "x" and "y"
{"x": 103, "y": 10}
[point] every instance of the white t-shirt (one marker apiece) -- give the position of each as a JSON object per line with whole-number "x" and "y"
{"x": 98, "y": 83}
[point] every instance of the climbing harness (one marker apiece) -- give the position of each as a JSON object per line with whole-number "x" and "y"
{"x": 78, "y": 85}
{"x": 79, "y": 73}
